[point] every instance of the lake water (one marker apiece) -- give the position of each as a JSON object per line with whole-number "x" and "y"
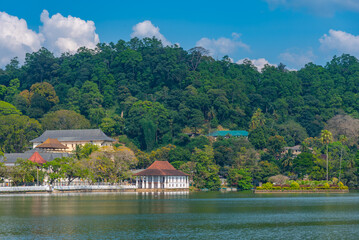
{"x": 206, "y": 215}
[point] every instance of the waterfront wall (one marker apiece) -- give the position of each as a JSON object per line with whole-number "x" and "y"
{"x": 79, "y": 188}
{"x": 24, "y": 189}
{"x": 304, "y": 191}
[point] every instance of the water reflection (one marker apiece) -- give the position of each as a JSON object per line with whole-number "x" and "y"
{"x": 179, "y": 215}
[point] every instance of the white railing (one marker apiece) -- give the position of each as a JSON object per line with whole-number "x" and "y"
{"x": 26, "y": 189}
{"x": 93, "y": 187}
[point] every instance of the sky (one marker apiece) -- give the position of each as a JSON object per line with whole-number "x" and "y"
{"x": 293, "y": 32}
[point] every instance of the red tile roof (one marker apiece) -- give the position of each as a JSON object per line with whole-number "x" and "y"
{"x": 36, "y": 158}
{"x": 161, "y": 168}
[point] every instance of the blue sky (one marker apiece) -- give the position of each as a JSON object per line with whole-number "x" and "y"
{"x": 267, "y": 31}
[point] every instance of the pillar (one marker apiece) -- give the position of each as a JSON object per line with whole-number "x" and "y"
{"x": 152, "y": 182}
{"x": 136, "y": 182}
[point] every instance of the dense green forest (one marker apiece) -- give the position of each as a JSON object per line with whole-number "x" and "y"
{"x": 153, "y": 98}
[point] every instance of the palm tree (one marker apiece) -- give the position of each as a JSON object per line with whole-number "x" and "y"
{"x": 342, "y": 139}
{"x": 211, "y": 115}
{"x": 258, "y": 119}
{"x": 326, "y": 138}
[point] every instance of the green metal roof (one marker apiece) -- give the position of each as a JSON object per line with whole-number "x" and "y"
{"x": 239, "y": 133}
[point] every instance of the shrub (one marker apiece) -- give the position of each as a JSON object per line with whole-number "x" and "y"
{"x": 326, "y": 185}
{"x": 267, "y": 186}
{"x": 294, "y": 185}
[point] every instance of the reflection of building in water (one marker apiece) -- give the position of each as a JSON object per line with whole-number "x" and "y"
{"x": 161, "y": 175}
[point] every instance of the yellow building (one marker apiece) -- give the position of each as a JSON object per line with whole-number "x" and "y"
{"x": 72, "y": 138}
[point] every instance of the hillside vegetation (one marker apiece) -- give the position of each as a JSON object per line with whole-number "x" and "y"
{"x": 151, "y": 98}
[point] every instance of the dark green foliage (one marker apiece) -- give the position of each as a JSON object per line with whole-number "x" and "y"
{"x": 64, "y": 119}
{"x": 158, "y": 95}
{"x": 303, "y": 164}
{"x": 240, "y": 178}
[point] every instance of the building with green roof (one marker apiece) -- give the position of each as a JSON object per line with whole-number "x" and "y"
{"x": 234, "y": 133}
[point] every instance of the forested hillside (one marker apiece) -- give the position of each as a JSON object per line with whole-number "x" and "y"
{"x": 152, "y": 96}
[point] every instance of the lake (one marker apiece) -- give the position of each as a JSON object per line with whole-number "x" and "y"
{"x": 205, "y": 215}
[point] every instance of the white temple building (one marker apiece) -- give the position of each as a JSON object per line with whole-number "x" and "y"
{"x": 161, "y": 175}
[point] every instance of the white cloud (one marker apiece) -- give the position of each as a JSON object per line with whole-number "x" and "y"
{"x": 67, "y": 34}
{"x": 340, "y": 42}
{"x": 321, "y": 7}
{"x": 16, "y": 39}
{"x": 222, "y": 46}
{"x": 258, "y": 63}
{"x": 297, "y": 60}
{"x": 146, "y": 29}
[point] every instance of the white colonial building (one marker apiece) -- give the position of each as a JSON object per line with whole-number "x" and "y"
{"x": 72, "y": 138}
{"x": 161, "y": 175}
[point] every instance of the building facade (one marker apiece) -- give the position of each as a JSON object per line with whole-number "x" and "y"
{"x": 72, "y": 138}
{"x": 161, "y": 175}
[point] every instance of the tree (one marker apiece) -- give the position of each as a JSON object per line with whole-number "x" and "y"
{"x": 45, "y": 90}
{"x": 111, "y": 164}
{"x": 344, "y": 125}
{"x": 7, "y": 109}
{"x": 276, "y": 145}
{"x": 326, "y": 138}
{"x": 91, "y": 98}
{"x": 240, "y": 178}
{"x": 64, "y": 119}
{"x": 257, "y": 120}
{"x": 113, "y": 126}
{"x": 85, "y": 151}
{"x": 72, "y": 168}
{"x": 151, "y": 111}
{"x": 54, "y": 170}
{"x": 342, "y": 139}
{"x": 16, "y": 131}
{"x": 292, "y": 132}
{"x": 303, "y": 164}
{"x": 24, "y": 172}
{"x": 206, "y": 172}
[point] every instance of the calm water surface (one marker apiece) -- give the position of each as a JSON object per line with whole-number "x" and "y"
{"x": 179, "y": 216}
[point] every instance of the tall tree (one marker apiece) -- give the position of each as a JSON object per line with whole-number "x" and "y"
{"x": 342, "y": 139}
{"x": 326, "y": 138}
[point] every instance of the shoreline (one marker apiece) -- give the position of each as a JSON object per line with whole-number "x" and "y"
{"x": 80, "y": 189}
{"x": 304, "y": 191}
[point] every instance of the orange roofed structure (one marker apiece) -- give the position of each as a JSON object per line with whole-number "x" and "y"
{"x": 36, "y": 158}
{"x": 161, "y": 175}
{"x": 52, "y": 144}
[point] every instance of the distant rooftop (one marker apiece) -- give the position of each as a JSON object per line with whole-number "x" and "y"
{"x": 235, "y": 133}
{"x": 74, "y": 135}
{"x": 51, "y": 143}
{"x": 11, "y": 158}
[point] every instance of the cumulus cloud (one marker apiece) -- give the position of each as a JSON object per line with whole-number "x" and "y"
{"x": 16, "y": 39}
{"x": 321, "y": 7}
{"x": 222, "y": 46}
{"x": 146, "y": 29}
{"x": 59, "y": 34}
{"x": 340, "y": 42}
{"x": 259, "y": 63}
{"x": 67, "y": 34}
{"x": 297, "y": 60}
